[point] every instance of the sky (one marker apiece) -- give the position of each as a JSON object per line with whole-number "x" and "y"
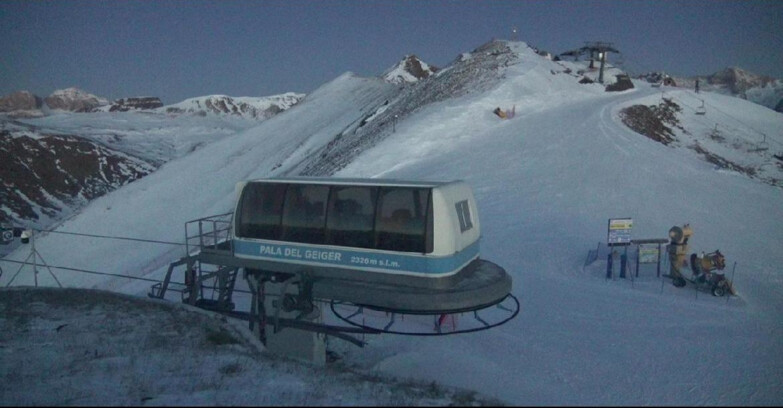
{"x": 545, "y": 184}
{"x": 182, "y": 49}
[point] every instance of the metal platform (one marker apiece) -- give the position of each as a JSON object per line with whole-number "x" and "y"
{"x": 283, "y": 294}
{"x": 477, "y": 286}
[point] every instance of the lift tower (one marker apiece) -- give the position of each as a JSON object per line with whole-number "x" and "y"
{"x": 596, "y": 50}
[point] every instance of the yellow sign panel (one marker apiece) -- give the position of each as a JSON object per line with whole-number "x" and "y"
{"x": 621, "y": 224}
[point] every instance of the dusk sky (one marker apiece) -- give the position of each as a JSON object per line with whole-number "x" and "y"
{"x": 182, "y": 49}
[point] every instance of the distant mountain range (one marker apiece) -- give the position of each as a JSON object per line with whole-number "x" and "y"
{"x": 24, "y": 104}
{"x": 760, "y": 89}
{"x": 50, "y": 168}
{"x": 255, "y": 108}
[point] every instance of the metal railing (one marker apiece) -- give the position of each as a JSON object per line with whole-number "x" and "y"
{"x": 209, "y": 234}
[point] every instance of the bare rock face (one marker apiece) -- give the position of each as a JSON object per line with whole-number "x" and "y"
{"x": 74, "y": 100}
{"x": 623, "y": 83}
{"x": 19, "y": 101}
{"x": 45, "y": 174}
{"x": 410, "y": 69}
{"x": 738, "y": 80}
{"x": 655, "y": 122}
{"x": 141, "y": 103}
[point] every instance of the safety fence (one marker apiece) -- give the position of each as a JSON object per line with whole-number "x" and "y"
{"x": 644, "y": 265}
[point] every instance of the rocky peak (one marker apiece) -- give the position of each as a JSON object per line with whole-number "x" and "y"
{"x": 247, "y": 107}
{"x": 739, "y": 80}
{"x": 74, "y": 100}
{"x": 19, "y": 101}
{"x": 409, "y": 69}
{"x": 139, "y": 103}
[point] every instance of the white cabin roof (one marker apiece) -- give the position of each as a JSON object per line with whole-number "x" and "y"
{"x": 356, "y": 181}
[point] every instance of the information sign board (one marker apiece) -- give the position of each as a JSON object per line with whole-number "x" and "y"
{"x": 620, "y": 231}
{"x": 648, "y": 254}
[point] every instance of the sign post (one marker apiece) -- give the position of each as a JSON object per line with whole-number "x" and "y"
{"x": 619, "y": 234}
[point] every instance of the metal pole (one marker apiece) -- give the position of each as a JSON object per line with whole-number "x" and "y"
{"x": 733, "y": 268}
{"x": 623, "y": 262}
{"x": 200, "y": 236}
{"x": 35, "y": 260}
{"x": 638, "y": 253}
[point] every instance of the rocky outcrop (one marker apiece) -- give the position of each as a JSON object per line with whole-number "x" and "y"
{"x": 739, "y": 81}
{"x": 410, "y": 69}
{"x": 20, "y": 101}
{"x": 623, "y": 83}
{"x": 74, "y": 100}
{"x": 141, "y": 103}
{"x": 655, "y": 122}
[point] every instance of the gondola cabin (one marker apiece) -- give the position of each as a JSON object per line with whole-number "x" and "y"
{"x": 358, "y": 228}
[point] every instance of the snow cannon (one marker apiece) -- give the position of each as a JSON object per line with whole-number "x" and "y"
{"x": 703, "y": 268}
{"x": 708, "y": 262}
{"x": 680, "y": 235}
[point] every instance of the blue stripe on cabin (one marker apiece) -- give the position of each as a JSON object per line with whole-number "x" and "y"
{"x": 355, "y": 259}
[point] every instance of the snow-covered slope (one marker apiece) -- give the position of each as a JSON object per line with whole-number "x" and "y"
{"x": 39, "y": 192}
{"x": 137, "y": 129}
{"x": 734, "y": 81}
{"x": 546, "y": 183}
{"x": 203, "y": 181}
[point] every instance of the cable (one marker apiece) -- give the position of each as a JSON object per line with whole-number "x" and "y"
{"x": 101, "y": 273}
{"x": 82, "y": 270}
{"x": 693, "y": 95}
{"x": 111, "y": 237}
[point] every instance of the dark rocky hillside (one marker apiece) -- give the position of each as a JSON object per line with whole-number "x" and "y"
{"x": 55, "y": 173}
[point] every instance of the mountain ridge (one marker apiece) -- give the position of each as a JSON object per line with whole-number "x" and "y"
{"x": 545, "y": 182}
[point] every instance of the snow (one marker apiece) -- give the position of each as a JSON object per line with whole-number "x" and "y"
{"x": 256, "y": 105}
{"x": 153, "y": 136}
{"x": 546, "y": 182}
{"x": 76, "y": 94}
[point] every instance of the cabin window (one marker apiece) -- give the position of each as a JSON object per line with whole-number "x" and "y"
{"x": 260, "y": 210}
{"x": 304, "y": 213}
{"x": 463, "y": 213}
{"x": 351, "y": 216}
{"x": 388, "y": 218}
{"x": 402, "y": 219}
